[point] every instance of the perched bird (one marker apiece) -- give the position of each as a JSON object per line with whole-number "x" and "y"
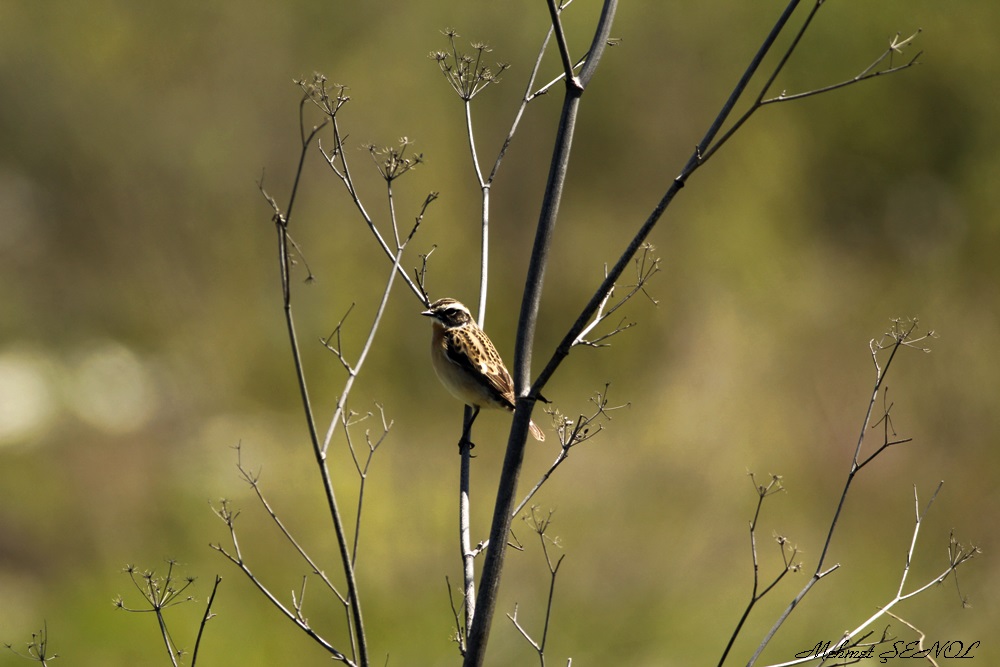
{"x": 467, "y": 363}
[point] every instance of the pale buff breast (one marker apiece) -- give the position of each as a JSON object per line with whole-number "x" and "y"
{"x": 456, "y": 379}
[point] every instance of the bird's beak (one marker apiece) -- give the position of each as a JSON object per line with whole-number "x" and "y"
{"x": 428, "y": 313}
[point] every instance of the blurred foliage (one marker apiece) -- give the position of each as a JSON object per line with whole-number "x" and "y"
{"x": 142, "y": 334}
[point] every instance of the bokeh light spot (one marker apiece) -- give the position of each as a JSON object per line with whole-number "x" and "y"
{"x": 26, "y": 402}
{"x": 111, "y": 389}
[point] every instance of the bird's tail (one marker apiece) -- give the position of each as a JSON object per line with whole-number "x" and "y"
{"x": 536, "y": 432}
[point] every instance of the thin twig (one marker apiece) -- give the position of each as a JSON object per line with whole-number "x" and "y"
{"x": 646, "y": 266}
{"x": 460, "y": 631}
{"x": 572, "y": 433}
{"x": 38, "y": 647}
{"x": 706, "y": 148}
{"x": 899, "y": 336}
{"x": 355, "y": 368}
{"x": 281, "y": 222}
{"x": 600, "y": 294}
{"x": 539, "y": 527}
{"x": 363, "y": 469}
{"x": 204, "y": 620}
{"x": 525, "y": 100}
{"x": 228, "y": 516}
{"x": 253, "y": 480}
{"x": 958, "y": 555}
{"x": 763, "y": 491}
{"x": 343, "y": 172}
{"x": 921, "y": 636}
{"x": 160, "y": 593}
{"x": 869, "y": 72}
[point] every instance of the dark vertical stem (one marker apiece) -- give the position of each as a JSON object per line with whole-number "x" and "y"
{"x": 489, "y": 585}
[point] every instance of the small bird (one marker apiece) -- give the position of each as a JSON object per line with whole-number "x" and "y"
{"x": 467, "y": 363}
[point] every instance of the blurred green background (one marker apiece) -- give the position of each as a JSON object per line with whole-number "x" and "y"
{"x": 142, "y": 335}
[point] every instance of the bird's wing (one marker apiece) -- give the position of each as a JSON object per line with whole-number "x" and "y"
{"x": 477, "y": 355}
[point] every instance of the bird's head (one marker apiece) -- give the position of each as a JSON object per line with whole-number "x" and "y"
{"x": 449, "y": 313}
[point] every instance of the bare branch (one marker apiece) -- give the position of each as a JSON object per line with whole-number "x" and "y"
{"x": 901, "y": 334}
{"x": 525, "y": 100}
{"x": 160, "y": 593}
{"x": 337, "y": 347}
{"x": 572, "y": 433}
{"x": 646, "y": 266}
{"x": 391, "y": 163}
{"x": 460, "y": 632}
{"x": 568, "y": 74}
{"x": 253, "y": 479}
{"x": 204, "y": 620}
{"x": 317, "y": 92}
{"x": 465, "y": 72}
{"x": 363, "y": 468}
{"x": 421, "y": 276}
{"x": 707, "y": 147}
{"x": 896, "y": 45}
{"x": 228, "y": 516}
{"x": 539, "y": 526}
{"x": 920, "y": 638}
{"x": 788, "y": 554}
{"x": 38, "y": 647}
{"x": 369, "y": 341}
{"x": 958, "y": 555}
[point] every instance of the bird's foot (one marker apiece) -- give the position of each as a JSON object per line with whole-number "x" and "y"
{"x": 466, "y": 445}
